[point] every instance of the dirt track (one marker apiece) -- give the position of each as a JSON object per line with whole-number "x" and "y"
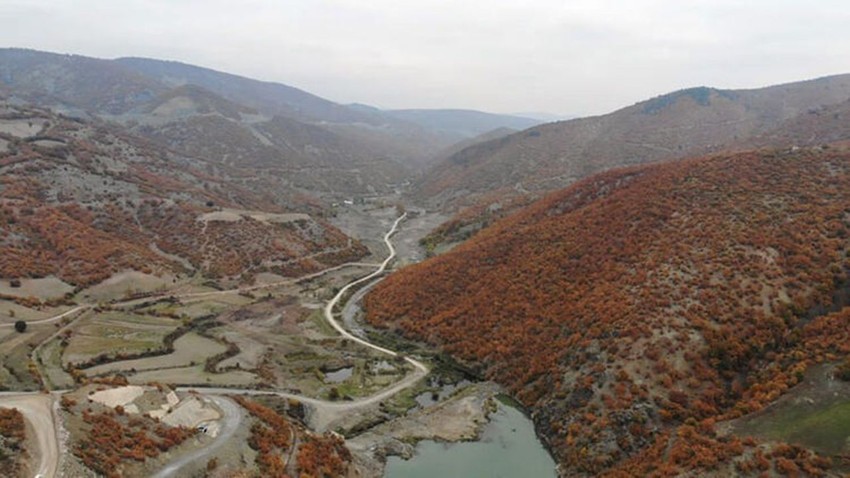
{"x": 231, "y": 420}
{"x": 37, "y": 408}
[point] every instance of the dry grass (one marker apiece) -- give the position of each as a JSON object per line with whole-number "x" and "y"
{"x": 44, "y": 288}
{"x": 194, "y": 376}
{"x": 190, "y": 349}
{"x": 119, "y": 285}
{"x": 115, "y": 332}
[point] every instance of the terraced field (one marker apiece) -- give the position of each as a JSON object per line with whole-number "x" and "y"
{"x": 116, "y": 333}
{"x": 189, "y": 350}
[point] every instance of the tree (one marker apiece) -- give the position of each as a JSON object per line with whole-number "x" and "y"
{"x": 842, "y": 372}
{"x": 333, "y": 394}
{"x": 21, "y": 326}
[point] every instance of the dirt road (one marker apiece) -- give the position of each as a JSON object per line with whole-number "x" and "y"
{"x": 231, "y": 419}
{"x": 328, "y": 412}
{"x": 37, "y": 409}
{"x": 54, "y": 318}
{"x": 329, "y": 307}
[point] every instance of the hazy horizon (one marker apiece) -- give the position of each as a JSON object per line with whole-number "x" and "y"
{"x": 585, "y": 58}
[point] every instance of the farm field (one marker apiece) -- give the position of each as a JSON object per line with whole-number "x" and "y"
{"x": 115, "y": 333}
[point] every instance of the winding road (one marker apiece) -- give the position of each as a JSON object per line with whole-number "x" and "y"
{"x": 325, "y": 412}
{"x": 232, "y": 416}
{"x": 61, "y": 316}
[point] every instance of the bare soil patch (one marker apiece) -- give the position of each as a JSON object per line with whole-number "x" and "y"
{"x": 126, "y": 283}
{"x": 233, "y": 215}
{"x": 22, "y": 128}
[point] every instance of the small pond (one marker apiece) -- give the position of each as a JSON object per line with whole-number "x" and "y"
{"x": 338, "y": 376}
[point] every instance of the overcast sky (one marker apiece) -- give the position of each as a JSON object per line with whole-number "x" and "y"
{"x": 574, "y": 57}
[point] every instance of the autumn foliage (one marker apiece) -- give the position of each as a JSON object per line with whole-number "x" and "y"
{"x": 113, "y": 439}
{"x": 641, "y": 299}
{"x": 12, "y": 441}
{"x": 105, "y": 201}
{"x": 284, "y": 446}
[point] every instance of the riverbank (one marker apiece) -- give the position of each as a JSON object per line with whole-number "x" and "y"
{"x": 461, "y": 417}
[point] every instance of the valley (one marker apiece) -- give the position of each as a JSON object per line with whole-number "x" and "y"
{"x": 207, "y": 275}
{"x": 276, "y": 318}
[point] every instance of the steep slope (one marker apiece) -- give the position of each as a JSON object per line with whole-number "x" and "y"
{"x": 273, "y": 98}
{"x": 274, "y": 154}
{"x": 225, "y": 119}
{"x": 479, "y": 139}
{"x": 83, "y": 200}
{"x": 395, "y": 138}
{"x": 685, "y": 123}
{"x": 637, "y": 307}
{"x": 817, "y": 126}
{"x": 463, "y": 123}
{"x": 191, "y": 100}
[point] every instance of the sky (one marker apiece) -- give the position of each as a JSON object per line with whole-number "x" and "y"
{"x": 568, "y": 57}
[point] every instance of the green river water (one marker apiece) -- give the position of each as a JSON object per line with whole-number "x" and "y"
{"x": 508, "y": 449}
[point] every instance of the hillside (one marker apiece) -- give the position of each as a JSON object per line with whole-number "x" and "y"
{"x": 681, "y": 124}
{"x": 408, "y": 136}
{"x": 269, "y": 97}
{"x": 225, "y": 120}
{"x": 817, "y": 126}
{"x": 636, "y": 308}
{"x": 75, "y": 81}
{"x": 462, "y": 123}
{"x": 83, "y": 200}
{"x": 272, "y": 153}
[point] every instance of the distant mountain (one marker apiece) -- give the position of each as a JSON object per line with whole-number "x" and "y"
{"x": 406, "y": 142}
{"x": 462, "y": 123}
{"x": 481, "y": 138}
{"x": 637, "y": 308}
{"x": 544, "y": 117}
{"x": 101, "y": 86}
{"x": 292, "y": 155}
{"x": 268, "y": 97}
{"x": 282, "y": 138}
{"x": 160, "y": 94}
{"x": 680, "y": 124}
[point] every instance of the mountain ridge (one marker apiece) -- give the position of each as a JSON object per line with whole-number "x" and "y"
{"x": 679, "y": 124}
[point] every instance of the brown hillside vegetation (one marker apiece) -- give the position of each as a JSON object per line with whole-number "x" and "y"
{"x": 276, "y": 438}
{"x": 82, "y": 200}
{"x": 13, "y": 452}
{"x": 490, "y": 179}
{"x": 634, "y": 309}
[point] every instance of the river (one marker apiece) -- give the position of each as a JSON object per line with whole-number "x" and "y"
{"x": 508, "y": 449}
